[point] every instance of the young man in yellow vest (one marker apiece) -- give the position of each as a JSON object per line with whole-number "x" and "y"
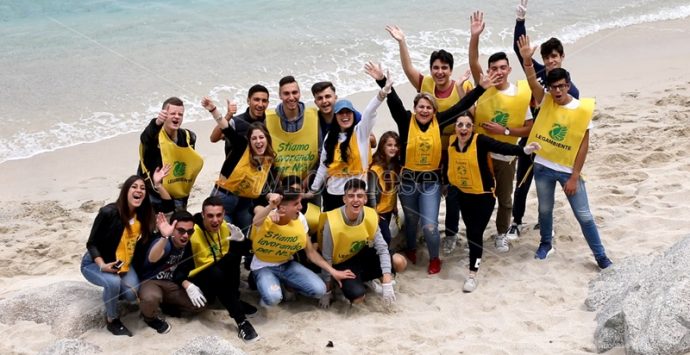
{"x": 351, "y": 240}
{"x": 164, "y": 142}
{"x": 503, "y": 114}
{"x": 210, "y": 268}
{"x": 562, "y": 129}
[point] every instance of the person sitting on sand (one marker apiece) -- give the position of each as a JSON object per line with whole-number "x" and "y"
{"x": 562, "y": 128}
{"x": 352, "y": 240}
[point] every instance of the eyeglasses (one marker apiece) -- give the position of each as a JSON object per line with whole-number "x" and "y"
{"x": 183, "y": 231}
{"x": 466, "y": 125}
{"x": 558, "y": 87}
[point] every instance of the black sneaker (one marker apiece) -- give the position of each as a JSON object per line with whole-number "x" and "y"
{"x": 117, "y": 328}
{"x": 246, "y": 332}
{"x": 159, "y": 325}
{"x": 249, "y": 310}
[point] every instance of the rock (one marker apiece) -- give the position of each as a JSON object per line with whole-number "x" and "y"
{"x": 644, "y": 303}
{"x": 71, "y": 347}
{"x": 208, "y": 345}
{"x": 70, "y": 308}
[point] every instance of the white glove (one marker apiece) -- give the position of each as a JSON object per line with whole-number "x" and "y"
{"x": 388, "y": 293}
{"x": 325, "y": 300}
{"x": 195, "y": 295}
{"x": 531, "y": 148}
{"x": 389, "y": 85}
{"x": 521, "y": 10}
{"x": 236, "y": 233}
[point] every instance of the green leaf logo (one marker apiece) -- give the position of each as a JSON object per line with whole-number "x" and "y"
{"x": 357, "y": 246}
{"x": 179, "y": 168}
{"x": 558, "y": 132}
{"x": 501, "y": 118}
{"x": 424, "y": 146}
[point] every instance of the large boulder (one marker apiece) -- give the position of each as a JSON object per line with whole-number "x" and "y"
{"x": 70, "y": 308}
{"x": 71, "y": 347}
{"x": 208, "y": 345}
{"x": 644, "y": 303}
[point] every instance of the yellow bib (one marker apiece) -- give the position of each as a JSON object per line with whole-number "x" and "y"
{"x": 508, "y": 111}
{"x": 274, "y": 243}
{"x": 340, "y": 168}
{"x": 463, "y": 168}
{"x": 186, "y": 164}
{"x": 428, "y": 85}
{"x": 245, "y": 180}
{"x": 313, "y": 214}
{"x": 298, "y": 152}
{"x": 125, "y": 249}
{"x": 208, "y": 248}
{"x": 389, "y": 196}
{"x": 349, "y": 240}
{"x": 423, "y": 150}
{"x": 560, "y": 130}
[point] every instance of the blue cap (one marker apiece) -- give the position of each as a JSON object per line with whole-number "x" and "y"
{"x": 343, "y": 104}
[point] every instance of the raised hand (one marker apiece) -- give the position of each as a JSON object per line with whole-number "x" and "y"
{"x": 477, "y": 23}
{"x": 163, "y": 226}
{"x": 487, "y": 81}
{"x": 160, "y": 173}
{"x": 232, "y": 109}
{"x": 274, "y": 199}
{"x": 236, "y": 234}
{"x": 526, "y": 51}
{"x": 207, "y": 103}
{"x": 465, "y": 76}
{"x": 521, "y": 10}
{"x": 389, "y": 84}
{"x": 396, "y": 32}
{"x": 374, "y": 70}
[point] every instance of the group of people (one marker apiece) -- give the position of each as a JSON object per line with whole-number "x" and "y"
{"x": 304, "y": 201}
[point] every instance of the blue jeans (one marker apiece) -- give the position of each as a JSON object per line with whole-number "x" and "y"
{"x": 114, "y": 285}
{"x": 293, "y": 275}
{"x": 546, "y": 180}
{"x": 420, "y": 201}
{"x": 238, "y": 210}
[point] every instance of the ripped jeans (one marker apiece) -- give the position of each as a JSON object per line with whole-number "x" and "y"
{"x": 421, "y": 201}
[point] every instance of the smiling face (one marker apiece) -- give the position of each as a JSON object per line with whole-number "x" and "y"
{"x": 136, "y": 194}
{"x": 213, "y": 217}
{"x": 258, "y": 142}
{"x": 181, "y": 235}
{"x": 503, "y": 69}
{"x": 355, "y": 200}
{"x": 345, "y": 119}
{"x": 175, "y": 115}
{"x": 424, "y": 111}
{"x": 553, "y": 60}
{"x": 325, "y": 100}
{"x": 290, "y": 209}
{"x": 290, "y": 96}
{"x": 257, "y": 104}
{"x": 441, "y": 73}
{"x": 390, "y": 148}
{"x": 464, "y": 129}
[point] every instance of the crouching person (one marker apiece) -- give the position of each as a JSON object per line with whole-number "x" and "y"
{"x": 352, "y": 240}
{"x": 276, "y": 237}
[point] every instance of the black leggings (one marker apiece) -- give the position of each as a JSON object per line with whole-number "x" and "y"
{"x": 524, "y": 164}
{"x": 476, "y": 210}
{"x": 331, "y": 202}
{"x": 222, "y": 280}
{"x": 366, "y": 266}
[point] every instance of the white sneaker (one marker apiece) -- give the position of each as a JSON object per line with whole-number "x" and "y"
{"x": 514, "y": 231}
{"x": 470, "y": 285}
{"x": 375, "y": 285}
{"x": 502, "y": 243}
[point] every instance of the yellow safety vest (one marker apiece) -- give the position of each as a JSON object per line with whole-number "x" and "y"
{"x": 245, "y": 179}
{"x": 349, "y": 240}
{"x": 186, "y": 164}
{"x": 274, "y": 243}
{"x": 208, "y": 248}
{"x": 428, "y": 85}
{"x": 352, "y": 167}
{"x": 128, "y": 241}
{"x": 389, "y": 195}
{"x": 423, "y": 149}
{"x": 508, "y": 111}
{"x": 463, "y": 168}
{"x": 298, "y": 152}
{"x": 313, "y": 214}
{"x": 560, "y": 130}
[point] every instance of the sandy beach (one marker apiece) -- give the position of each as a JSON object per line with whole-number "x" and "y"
{"x": 636, "y": 174}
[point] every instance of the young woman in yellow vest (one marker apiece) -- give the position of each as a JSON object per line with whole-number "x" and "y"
{"x": 420, "y": 179}
{"x": 346, "y": 152}
{"x": 383, "y": 181}
{"x": 247, "y": 173}
{"x": 470, "y": 173}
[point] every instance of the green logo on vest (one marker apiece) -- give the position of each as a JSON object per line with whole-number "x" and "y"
{"x": 179, "y": 168}
{"x": 424, "y": 146}
{"x": 558, "y": 132}
{"x": 357, "y": 246}
{"x": 501, "y": 118}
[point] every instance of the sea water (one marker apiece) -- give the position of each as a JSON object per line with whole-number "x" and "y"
{"x": 83, "y": 71}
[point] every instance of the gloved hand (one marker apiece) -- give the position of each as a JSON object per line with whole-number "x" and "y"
{"x": 388, "y": 293}
{"x": 531, "y": 148}
{"x": 521, "y": 10}
{"x": 236, "y": 234}
{"x": 388, "y": 87}
{"x": 325, "y": 300}
{"x": 195, "y": 295}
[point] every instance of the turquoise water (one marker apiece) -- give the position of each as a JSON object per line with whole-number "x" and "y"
{"x": 83, "y": 71}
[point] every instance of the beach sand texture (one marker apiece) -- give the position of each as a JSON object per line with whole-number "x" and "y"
{"x": 636, "y": 174}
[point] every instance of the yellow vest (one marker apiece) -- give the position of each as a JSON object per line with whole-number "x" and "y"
{"x": 274, "y": 243}
{"x": 508, "y": 111}
{"x": 245, "y": 180}
{"x": 298, "y": 152}
{"x": 463, "y": 168}
{"x": 560, "y": 130}
{"x": 313, "y": 214}
{"x": 428, "y": 85}
{"x": 185, "y": 161}
{"x": 128, "y": 241}
{"x": 208, "y": 248}
{"x": 340, "y": 168}
{"x": 423, "y": 150}
{"x": 349, "y": 240}
{"x": 389, "y": 196}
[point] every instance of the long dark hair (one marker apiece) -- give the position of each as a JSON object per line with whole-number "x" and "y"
{"x": 269, "y": 152}
{"x": 144, "y": 212}
{"x": 332, "y": 140}
{"x": 390, "y": 168}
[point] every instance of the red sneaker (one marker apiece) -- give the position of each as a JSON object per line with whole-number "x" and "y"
{"x": 412, "y": 255}
{"x": 434, "y": 266}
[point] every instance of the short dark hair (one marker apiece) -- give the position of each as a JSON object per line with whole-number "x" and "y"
{"x": 498, "y": 56}
{"x": 211, "y": 201}
{"x": 466, "y": 113}
{"x": 286, "y": 80}
{"x": 355, "y": 184}
{"x": 289, "y": 194}
{"x": 321, "y": 86}
{"x": 290, "y": 180}
{"x": 256, "y": 88}
{"x": 443, "y": 56}
{"x": 175, "y": 101}
{"x": 552, "y": 44}
{"x": 557, "y": 74}
{"x": 181, "y": 216}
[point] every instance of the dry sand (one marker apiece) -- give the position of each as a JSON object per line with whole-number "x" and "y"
{"x": 636, "y": 169}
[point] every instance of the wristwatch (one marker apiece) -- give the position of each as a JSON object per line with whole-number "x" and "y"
{"x": 507, "y": 131}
